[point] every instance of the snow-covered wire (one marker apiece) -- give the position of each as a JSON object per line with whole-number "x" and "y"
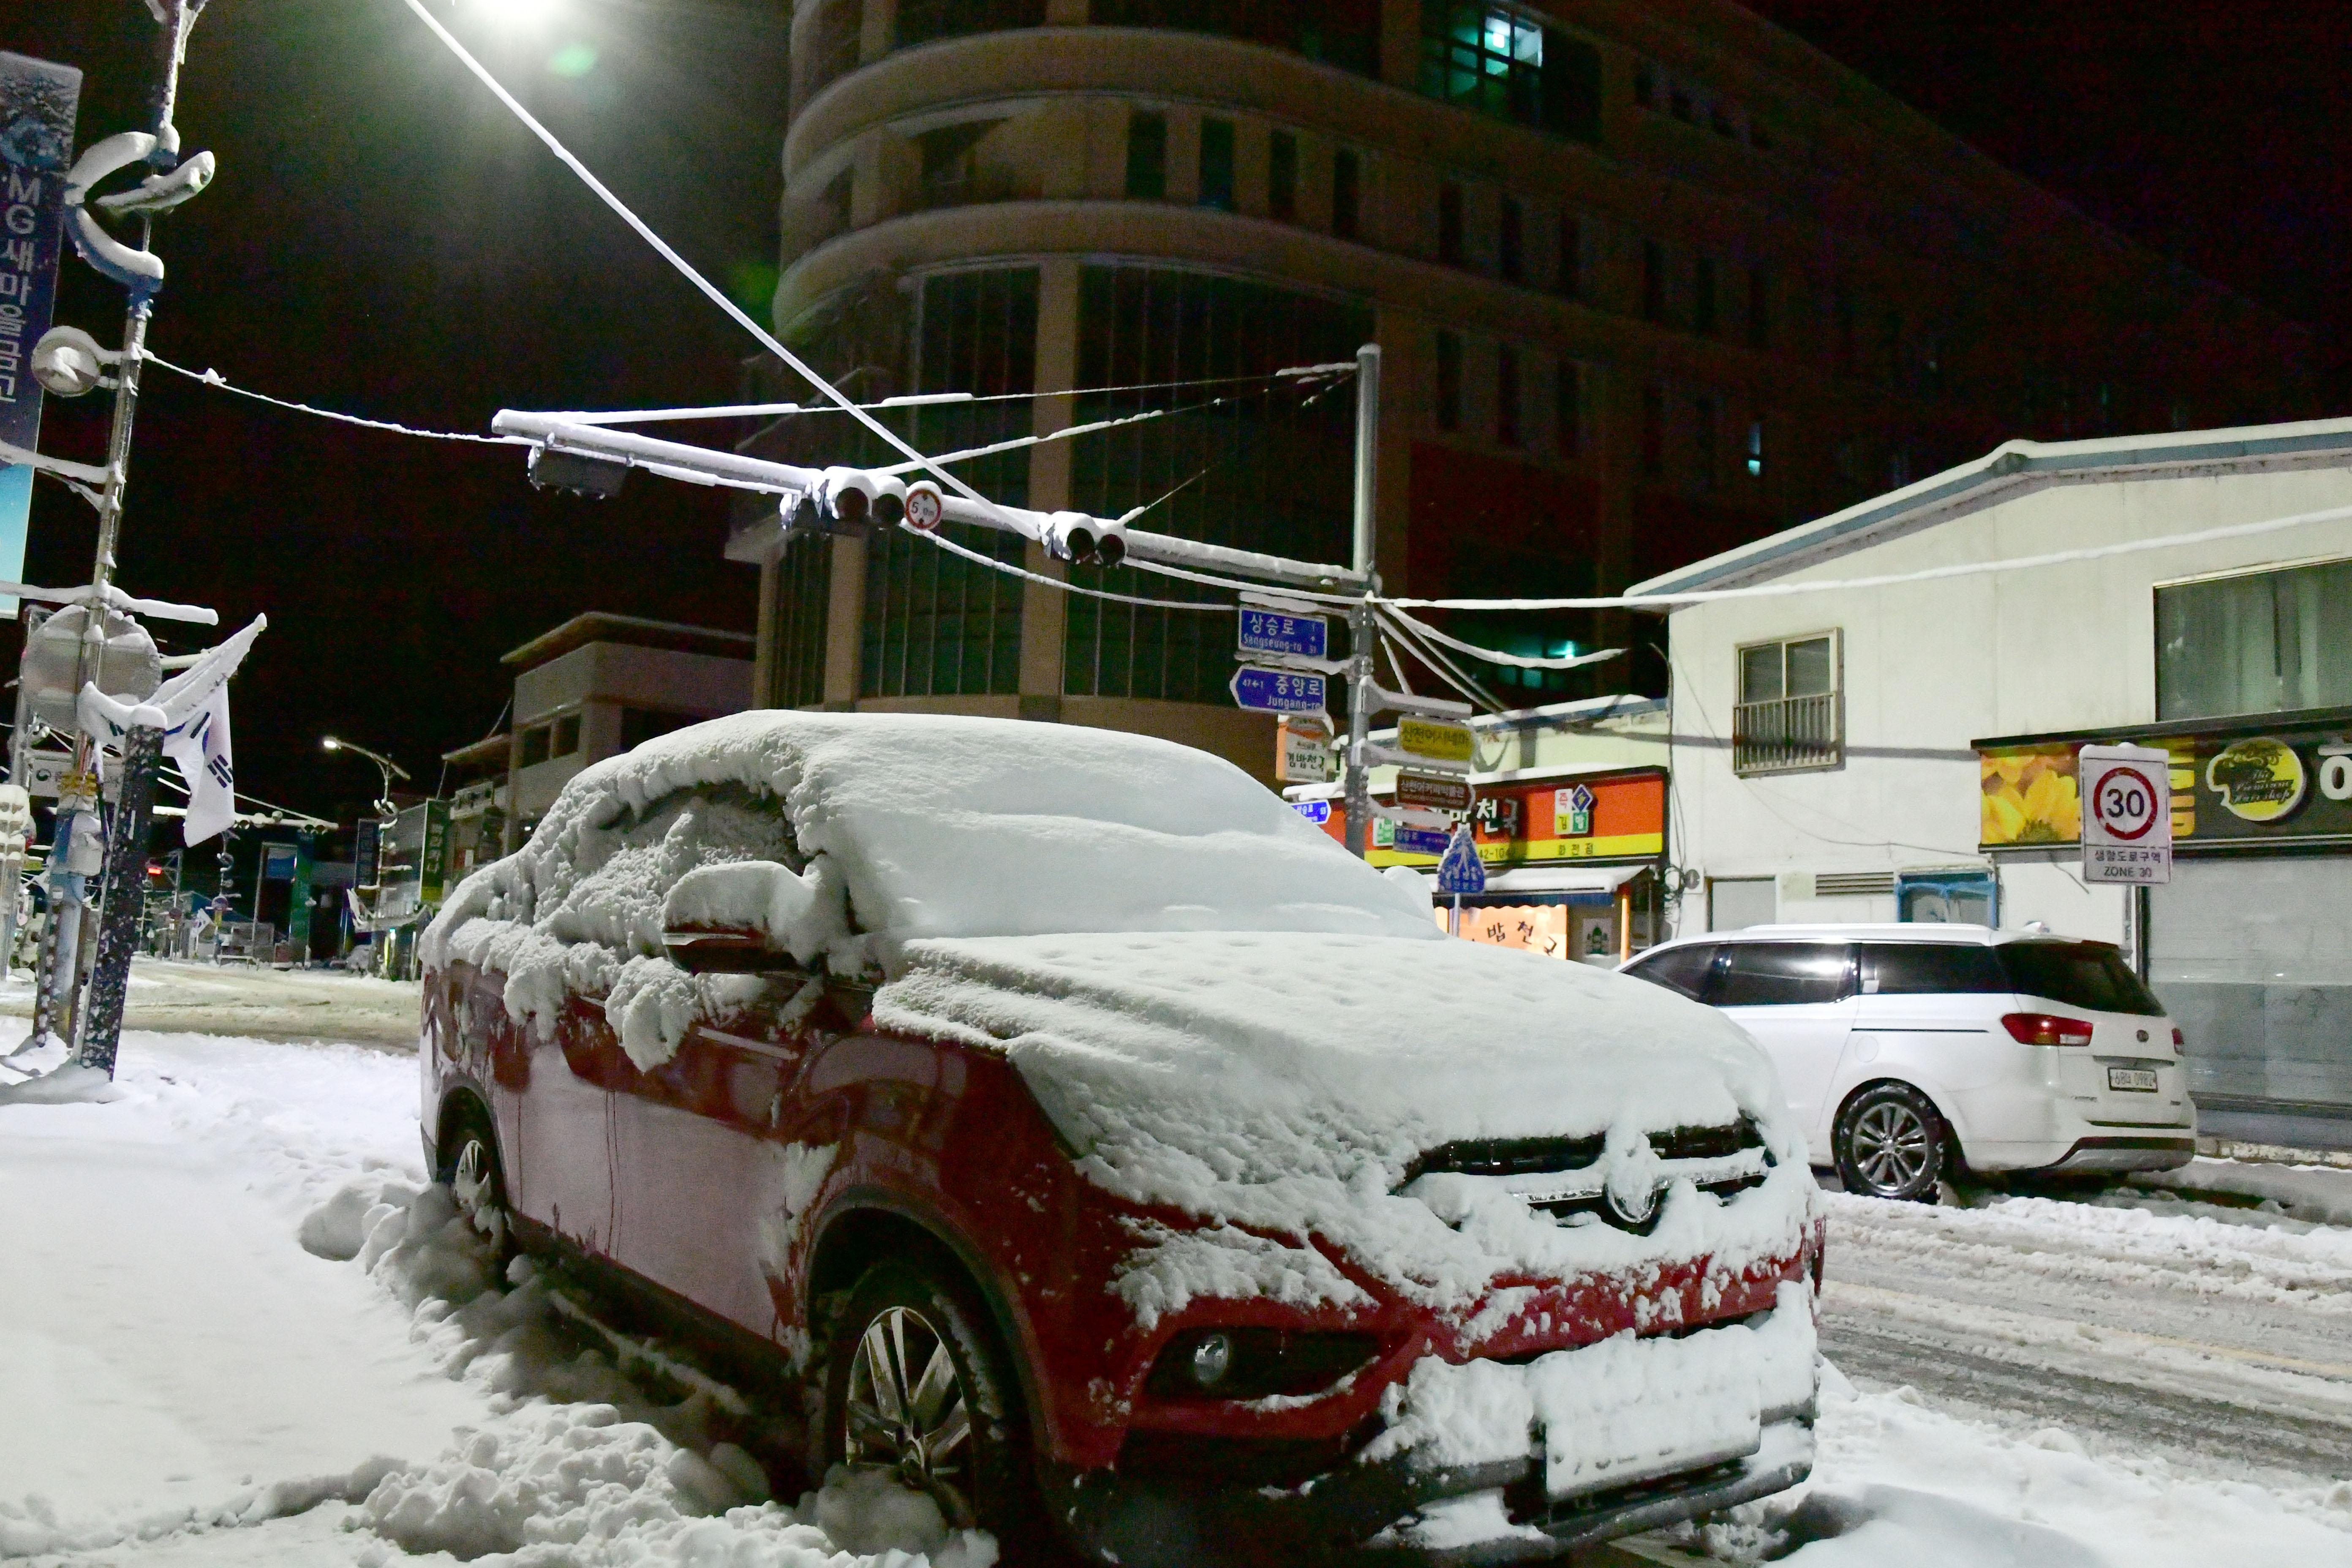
{"x": 214, "y": 378}
{"x": 1892, "y": 579}
{"x": 922, "y": 399}
{"x": 1495, "y": 655}
{"x": 994, "y": 564}
{"x": 1445, "y": 669}
{"x": 718, "y": 297}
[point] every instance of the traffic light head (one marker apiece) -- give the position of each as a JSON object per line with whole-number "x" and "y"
{"x": 1087, "y": 540}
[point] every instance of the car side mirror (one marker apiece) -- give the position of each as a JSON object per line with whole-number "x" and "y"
{"x": 750, "y": 917}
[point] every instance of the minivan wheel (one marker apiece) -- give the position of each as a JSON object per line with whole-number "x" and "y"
{"x": 1889, "y": 1143}
{"x": 917, "y": 1383}
{"x": 469, "y": 1164}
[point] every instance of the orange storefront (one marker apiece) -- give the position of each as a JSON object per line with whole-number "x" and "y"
{"x": 1572, "y": 861}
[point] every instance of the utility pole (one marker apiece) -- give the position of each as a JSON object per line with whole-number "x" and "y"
{"x": 1358, "y": 800}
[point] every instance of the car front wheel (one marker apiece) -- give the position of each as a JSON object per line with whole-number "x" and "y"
{"x": 469, "y": 1164}
{"x": 1889, "y": 1143}
{"x": 917, "y": 1385}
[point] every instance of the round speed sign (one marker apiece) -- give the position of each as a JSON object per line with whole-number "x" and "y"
{"x": 2127, "y": 796}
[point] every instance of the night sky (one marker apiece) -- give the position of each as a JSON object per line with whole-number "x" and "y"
{"x": 385, "y": 239}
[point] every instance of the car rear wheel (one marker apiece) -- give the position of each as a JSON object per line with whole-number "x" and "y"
{"x": 917, "y": 1385}
{"x": 1889, "y": 1143}
{"x": 469, "y": 1164}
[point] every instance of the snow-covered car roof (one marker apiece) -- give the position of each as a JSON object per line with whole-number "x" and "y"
{"x": 951, "y": 826}
{"x": 1954, "y": 933}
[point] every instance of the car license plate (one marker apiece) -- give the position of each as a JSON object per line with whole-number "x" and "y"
{"x": 2140, "y": 1079}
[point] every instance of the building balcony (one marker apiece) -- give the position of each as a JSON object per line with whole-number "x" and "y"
{"x": 1787, "y": 735}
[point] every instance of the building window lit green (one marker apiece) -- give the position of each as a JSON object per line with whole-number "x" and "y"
{"x": 1493, "y": 60}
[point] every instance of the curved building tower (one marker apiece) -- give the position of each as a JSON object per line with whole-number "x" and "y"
{"x": 1650, "y": 281}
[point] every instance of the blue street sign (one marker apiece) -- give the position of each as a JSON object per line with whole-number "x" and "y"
{"x": 1421, "y": 840}
{"x": 1278, "y": 690}
{"x": 1461, "y": 871}
{"x": 38, "y": 104}
{"x": 1318, "y": 812}
{"x": 1271, "y": 631}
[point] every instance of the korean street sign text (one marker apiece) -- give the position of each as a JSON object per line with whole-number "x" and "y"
{"x": 1432, "y": 792}
{"x": 1302, "y": 753}
{"x": 1274, "y": 631}
{"x": 1461, "y": 870}
{"x": 1434, "y": 738}
{"x": 1318, "y": 812}
{"x": 1572, "y": 813}
{"x": 1278, "y": 690}
{"x": 1421, "y": 840}
{"x": 2126, "y": 814}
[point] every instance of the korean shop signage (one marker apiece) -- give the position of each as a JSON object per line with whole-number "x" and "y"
{"x": 2292, "y": 786}
{"x": 1616, "y": 819}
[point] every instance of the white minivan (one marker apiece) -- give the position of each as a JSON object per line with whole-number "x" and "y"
{"x": 1910, "y": 1051}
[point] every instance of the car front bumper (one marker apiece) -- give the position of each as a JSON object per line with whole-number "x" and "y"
{"x": 1367, "y": 1514}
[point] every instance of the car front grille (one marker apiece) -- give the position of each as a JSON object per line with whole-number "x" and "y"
{"x": 1569, "y": 1177}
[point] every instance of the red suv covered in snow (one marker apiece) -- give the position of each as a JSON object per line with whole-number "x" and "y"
{"x": 1087, "y": 1137}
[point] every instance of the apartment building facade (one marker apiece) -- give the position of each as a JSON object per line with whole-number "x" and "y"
{"x": 1651, "y": 281}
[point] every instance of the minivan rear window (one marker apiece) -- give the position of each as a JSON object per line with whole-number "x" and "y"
{"x": 1929, "y": 969}
{"x": 2077, "y": 974}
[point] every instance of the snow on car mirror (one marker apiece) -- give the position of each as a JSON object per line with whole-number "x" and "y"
{"x": 750, "y": 917}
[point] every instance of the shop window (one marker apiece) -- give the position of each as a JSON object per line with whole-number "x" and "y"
{"x": 531, "y": 746}
{"x": 2259, "y": 642}
{"x": 1449, "y": 381}
{"x": 1217, "y": 164}
{"x": 923, "y": 21}
{"x": 1511, "y": 240}
{"x": 1703, "y": 295}
{"x": 1654, "y": 433}
{"x": 1147, "y": 156}
{"x": 1568, "y": 275}
{"x": 1449, "y": 225}
{"x": 1347, "y": 195}
{"x": 1282, "y": 176}
{"x": 1507, "y": 396}
{"x": 1499, "y": 61}
{"x": 1653, "y": 281}
{"x": 1567, "y": 407}
{"x": 1790, "y": 714}
{"x": 1265, "y": 468}
{"x": 564, "y": 736}
{"x": 935, "y": 623}
{"x": 1342, "y": 33}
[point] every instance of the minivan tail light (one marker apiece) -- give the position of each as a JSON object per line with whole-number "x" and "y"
{"x": 2179, "y": 1040}
{"x": 2045, "y": 1029}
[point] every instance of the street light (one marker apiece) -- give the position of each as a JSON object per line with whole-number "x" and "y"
{"x": 385, "y": 765}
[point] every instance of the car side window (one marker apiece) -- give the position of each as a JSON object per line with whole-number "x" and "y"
{"x": 623, "y": 869}
{"x": 1683, "y": 969}
{"x": 1784, "y": 974}
{"x": 1929, "y": 969}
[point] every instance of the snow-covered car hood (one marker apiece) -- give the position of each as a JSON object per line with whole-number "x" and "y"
{"x": 1288, "y": 1083}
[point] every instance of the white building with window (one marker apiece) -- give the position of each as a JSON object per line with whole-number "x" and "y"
{"x": 1900, "y": 743}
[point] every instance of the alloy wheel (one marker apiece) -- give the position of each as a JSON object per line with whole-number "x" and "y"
{"x": 1891, "y": 1145}
{"x": 906, "y": 1410}
{"x": 474, "y": 1182}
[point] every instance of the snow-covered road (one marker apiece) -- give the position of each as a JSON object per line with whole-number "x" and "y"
{"x": 2218, "y": 1337}
{"x": 185, "y": 1380}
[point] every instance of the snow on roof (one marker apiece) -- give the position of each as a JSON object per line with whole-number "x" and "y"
{"x": 2010, "y": 469}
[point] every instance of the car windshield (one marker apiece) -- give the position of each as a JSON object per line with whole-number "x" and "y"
{"x": 2077, "y": 974}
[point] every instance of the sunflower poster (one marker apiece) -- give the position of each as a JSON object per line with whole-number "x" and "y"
{"x": 2029, "y": 796}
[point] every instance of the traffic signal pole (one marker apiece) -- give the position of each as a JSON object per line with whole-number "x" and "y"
{"x": 1357, "y": 802}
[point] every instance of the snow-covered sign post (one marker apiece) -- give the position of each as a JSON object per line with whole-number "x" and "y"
{"x": 187, "y": 719}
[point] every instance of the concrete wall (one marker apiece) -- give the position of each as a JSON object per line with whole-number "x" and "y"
{"x": 1930, "y": 666}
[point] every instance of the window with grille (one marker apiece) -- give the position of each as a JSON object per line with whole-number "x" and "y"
{"x": 1494, "y": 60}
{"x": 935, "y": 623}
{"x": 1790, "y": 715}
{"x": 1268, "y": 466}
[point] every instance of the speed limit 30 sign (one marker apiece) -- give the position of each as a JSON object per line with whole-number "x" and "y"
{"x": 2126, "y": 814}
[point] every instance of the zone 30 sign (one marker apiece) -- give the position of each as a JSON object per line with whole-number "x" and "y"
{"x": 2126, "y": 814}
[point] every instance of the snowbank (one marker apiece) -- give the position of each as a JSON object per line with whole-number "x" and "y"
{"x": 1287, "y": 1083}
{"x": 2317, "y": 1194}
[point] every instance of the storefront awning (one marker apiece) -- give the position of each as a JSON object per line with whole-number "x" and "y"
{"x": 1561, "y": 879}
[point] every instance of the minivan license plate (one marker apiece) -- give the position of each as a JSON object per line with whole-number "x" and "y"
{"x": 2141, "y": 1079}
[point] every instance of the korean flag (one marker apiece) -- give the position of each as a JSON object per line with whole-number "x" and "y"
{"x": 199, "y": 745}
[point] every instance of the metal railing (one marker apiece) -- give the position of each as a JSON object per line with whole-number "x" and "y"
{"x": 1787, "y": 735}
